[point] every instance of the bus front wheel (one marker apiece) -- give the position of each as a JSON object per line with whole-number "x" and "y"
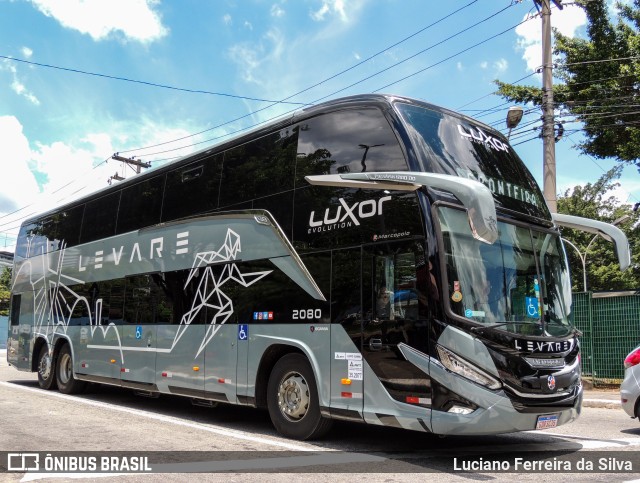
{"x": 67, "y": 383}
{"x": 46, "y": 369}
{"x": 292, "y": 399}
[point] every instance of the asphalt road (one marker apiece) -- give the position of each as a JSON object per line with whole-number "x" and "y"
{"x": 109, "y": 419}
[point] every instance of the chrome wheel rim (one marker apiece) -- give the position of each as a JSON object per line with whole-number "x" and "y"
{"x": 44, "y": 367}
{"x": 293, "y": 396}
{"x": 65, "y": 368}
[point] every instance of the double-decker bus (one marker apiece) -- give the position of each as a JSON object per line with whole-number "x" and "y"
{"x": 374, "y": 259}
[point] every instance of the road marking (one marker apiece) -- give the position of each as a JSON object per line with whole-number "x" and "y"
{"x": 171, "y": 420}
{"x": 593, "y": 443}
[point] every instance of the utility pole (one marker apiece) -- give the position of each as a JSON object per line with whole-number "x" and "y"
{"x": 548, "y": 134}
{"x": 130, "y": 161}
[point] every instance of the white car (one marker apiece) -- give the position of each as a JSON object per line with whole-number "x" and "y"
{"x": 630, "y": 388}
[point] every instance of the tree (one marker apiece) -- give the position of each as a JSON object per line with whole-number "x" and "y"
{"x": 600, "y": 82}
{"x": 592, "y": 201}
{"x": 5, "y": 290}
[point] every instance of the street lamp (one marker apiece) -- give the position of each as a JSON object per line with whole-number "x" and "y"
{"x": 514, "y": 116}
{"x": 583, "y": 255}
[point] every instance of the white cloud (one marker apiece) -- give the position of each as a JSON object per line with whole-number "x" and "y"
{"x": 330, "y": 7}
{"x": 276, "y": 11}
{"x": 227, "y": 19}
{"x": 17, "y": 85}
{"x": 501, "y": 65}
{"x": 18, "y": 186}
{"x": 459, "y": 66}
{"x": 248, "y": 25}
{"x": 484, "y": 64}
{"x": 567, "y": 21}
{"x": 27, "y": 52}
{"x": 250, "y": 56}
{"x": 135, "y": 19}
{"x": 19, "y": 88}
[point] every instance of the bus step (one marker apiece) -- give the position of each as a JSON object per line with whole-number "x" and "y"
{"x": 150, "y": 394}
{"x": 205, "y": 403}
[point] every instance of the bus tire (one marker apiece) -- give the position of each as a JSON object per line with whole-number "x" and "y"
{"x": 292, "y": 399}
{"x": 46, "y": 369}
{"x": 67, "y": 383}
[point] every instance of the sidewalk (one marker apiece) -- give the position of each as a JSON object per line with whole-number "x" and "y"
{"x": 605, "y": 398}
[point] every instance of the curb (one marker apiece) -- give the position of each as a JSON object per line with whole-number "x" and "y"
{"x": 601, "y": 403}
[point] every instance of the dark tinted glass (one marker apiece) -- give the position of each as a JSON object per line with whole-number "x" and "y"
{"x": 115, "y": 308}
{"x": 456, "y": 146}
{"x": 99, "y": 220}
{"x": 346, "y": 299}
{"x": 68, "y": 225}
{"x": 350, "y": 141}
{"x": 138, "y": 307}
{"x": 15, "y": 309}
{"x": 49, "y": 233}
{"x": 80, "y": 314}
{"x": 259, "y": 168}
{"x": 140, "y": 205}
{"x": 192, "y": 189}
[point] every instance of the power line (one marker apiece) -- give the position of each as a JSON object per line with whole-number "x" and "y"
{"x": 307, "y": 88}
{"x": 415, "y": 55}
{"x": 560, "y": 66}
{"x": 146, "y": 83}
{"x": 492, "y": 93}
{"x": 228, "y": 122}
{"x": 347, "y": 87}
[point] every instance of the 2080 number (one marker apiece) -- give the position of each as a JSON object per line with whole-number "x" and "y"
{"x": 307, "y": 314}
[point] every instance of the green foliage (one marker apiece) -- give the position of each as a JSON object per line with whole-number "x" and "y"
{"x": 593, "y": 201}
{"x": 5, "y": 290}
{"x": 601, "y": 93}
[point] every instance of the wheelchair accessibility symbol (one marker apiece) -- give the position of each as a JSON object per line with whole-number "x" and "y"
{"x": 139, "y": 332}
{"x": 532, "y": 307}
{"x": 243, "y": 332}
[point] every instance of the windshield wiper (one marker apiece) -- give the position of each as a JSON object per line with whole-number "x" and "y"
{"x": 501, "y": 324}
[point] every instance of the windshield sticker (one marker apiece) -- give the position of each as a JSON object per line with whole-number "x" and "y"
{"x": 501, "y": 187}
{"x": 474, "y": 313}
{"x": 477, "y": 135}
{"x": 532, "y": 307}
{"x": 456, "y": 296}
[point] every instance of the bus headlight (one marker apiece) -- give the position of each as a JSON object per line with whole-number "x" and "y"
{"x": 467, "y": 370}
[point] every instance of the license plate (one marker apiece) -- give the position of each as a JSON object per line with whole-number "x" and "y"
{"x": 547, "y": 421}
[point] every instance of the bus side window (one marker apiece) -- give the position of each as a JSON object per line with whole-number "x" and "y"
{"x": 192, "y": 189}
{"x": 161, "y": 299}
{"x": 138, "y": 304}
{"x": 347, "y": 141}
{"x": 140, "y": 205}
{"x": 99, "y": 220}
{"x": 258, "y": 168}
{"x": 15, "y": 308}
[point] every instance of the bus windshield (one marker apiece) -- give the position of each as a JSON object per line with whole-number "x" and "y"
{"x": 523, "y": 277}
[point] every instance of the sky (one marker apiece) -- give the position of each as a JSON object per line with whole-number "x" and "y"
{"x": 83, "y": 79}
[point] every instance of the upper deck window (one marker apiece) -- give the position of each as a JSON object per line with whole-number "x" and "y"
{"x": 99, "y": 219}
{"x": 348, "y": 141}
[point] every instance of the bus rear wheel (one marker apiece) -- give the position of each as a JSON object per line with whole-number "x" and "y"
{"x": 292, "y": 399}
{"x": 46, "y": 369}
{"x": 67, "y": 383}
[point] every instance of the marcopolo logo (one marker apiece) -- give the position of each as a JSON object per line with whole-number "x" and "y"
{"x": 477, "y": 135}
{"x": 345, "y": 216}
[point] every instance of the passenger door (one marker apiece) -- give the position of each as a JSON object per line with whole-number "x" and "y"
{"x": 396, "y": 291}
